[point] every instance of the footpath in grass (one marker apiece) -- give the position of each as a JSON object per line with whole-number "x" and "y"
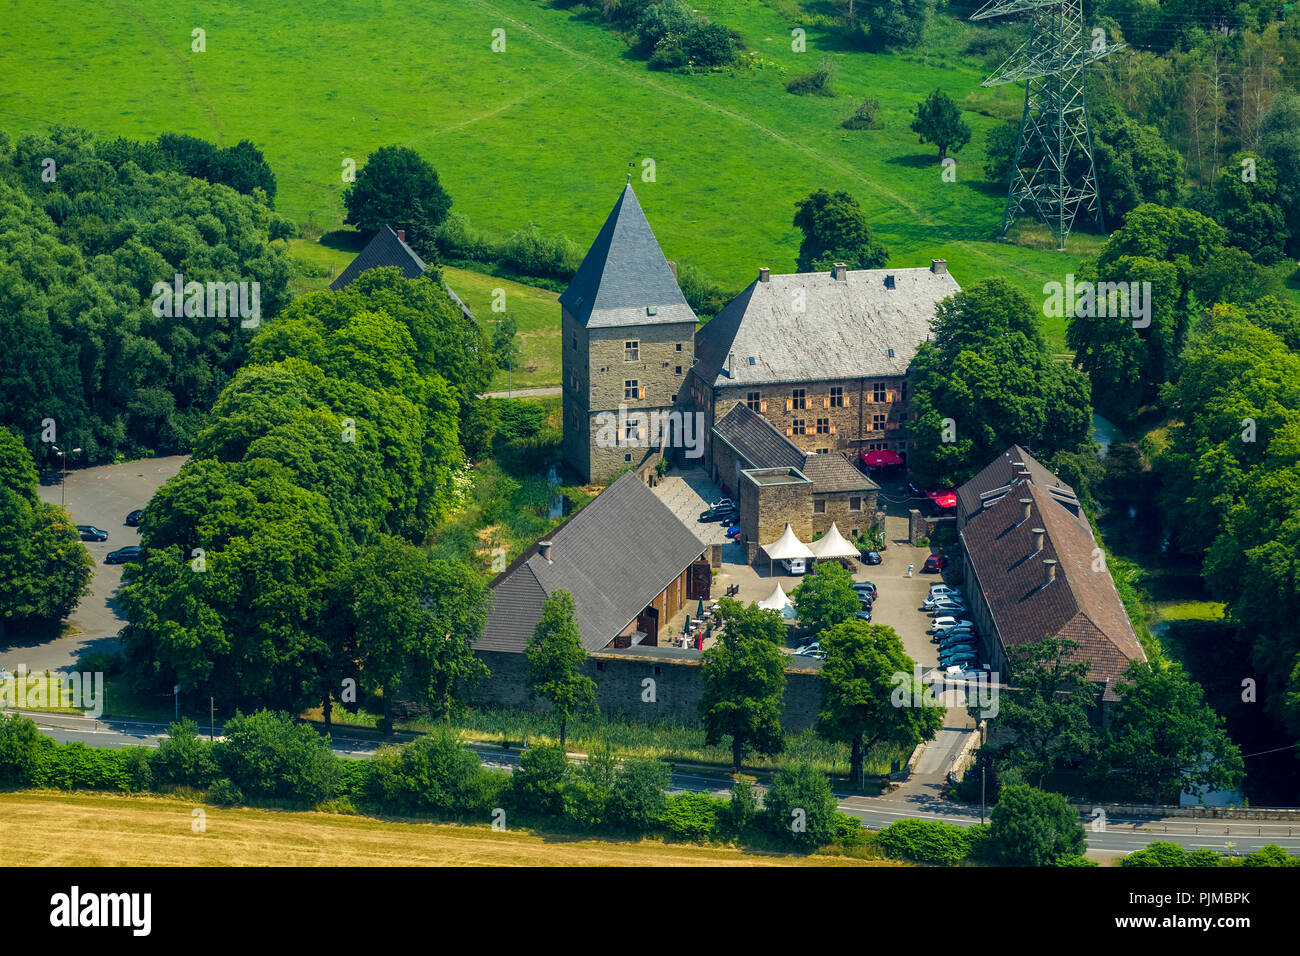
{"x": 61, "y": 829}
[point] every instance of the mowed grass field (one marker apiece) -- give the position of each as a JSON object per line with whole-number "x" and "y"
{"x": 61, "y": 829}
{"x": 542, "y": 132}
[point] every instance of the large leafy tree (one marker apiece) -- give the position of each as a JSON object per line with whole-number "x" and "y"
{"x": 1043, "y": 726}
{"x": 987, "y": 381}
{"x": 865, "y": 664}
{"x": 556, "y": 659}
{"x": 1279, "y": 141}
{"x": 834, "y": 230}
{"x": 1248, "y": 204}
{"x": 937, "y": 120}
{"x": 826, "y": 598}
{"x": 744, "y": 681}
{"x": 1163, "y": 738}
{"x": 397, "y": 187}
{"x": 44, "y": 567}
{"x": 1032, "y": 828}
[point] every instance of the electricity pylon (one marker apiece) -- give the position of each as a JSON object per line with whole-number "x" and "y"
{"x": 1054, "y": 173}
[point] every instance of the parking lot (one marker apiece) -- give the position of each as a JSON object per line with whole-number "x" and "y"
{"x": 101, "y": 497}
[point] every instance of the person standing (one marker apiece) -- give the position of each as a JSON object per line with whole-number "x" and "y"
{"x": 910, "y": 569}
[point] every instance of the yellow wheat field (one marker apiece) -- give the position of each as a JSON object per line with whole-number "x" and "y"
{"x": 61, "y": 829}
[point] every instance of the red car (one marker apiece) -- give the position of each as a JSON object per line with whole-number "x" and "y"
{"x": 934, "y": 564}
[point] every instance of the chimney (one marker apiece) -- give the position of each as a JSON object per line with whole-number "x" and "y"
{"x": 1026, "y": 505}
{"x": 1038, "y": 538}
{"x": 731, "y": 357}
{"x": 939, "y": 266}
{"x": 544, "y": 549}
{"x": 764, "y": 274}
{"x": 840, "y": 272}
{"x": 1049, "y": 571}
{"x": 672, "y": 264}
{"x": 401, "y": 235}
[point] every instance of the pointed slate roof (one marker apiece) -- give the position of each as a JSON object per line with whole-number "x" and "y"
{"x": 384, "y": 249}
{"x": 625, "y": 277}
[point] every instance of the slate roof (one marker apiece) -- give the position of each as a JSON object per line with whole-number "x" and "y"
{"x": 386, "y": 249}
{"x": 761, "y": 445}
{"x": 614, "y": 556}
{"x": 844, "y": 330}
{"x": 1081, "y": 604}
{"x": 1000, "y": 474}
{"x": 624, "y": 273}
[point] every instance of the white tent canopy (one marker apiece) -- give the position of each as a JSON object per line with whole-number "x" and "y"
{"x": 778, "y": 601}
{"x": 786, "y": 547}
{"x": 832, "y": 545}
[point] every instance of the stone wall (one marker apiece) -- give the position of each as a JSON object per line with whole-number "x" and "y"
{"x": 622, "y": 688}
{"x": 765, "y": 509}
{"x": 838, "y": 509}
{"x": 856, "y": 418}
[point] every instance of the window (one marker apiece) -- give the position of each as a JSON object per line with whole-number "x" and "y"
{"x": 837, "y": 397}
{"x": 823, "y": 426}
{"x": 855, "y": 504}
{"x": 878, "y": 392}
{"x": 575, "y": 343}
{"x": 754, "y": 401}
{"x": 819, "y": 507}
{"x": 798, "y": 399}
{"x": 823, "y": 451}
{"x": 800, "y": 426}
{"x": 878, "y": 422}
{"x": 679, "y": 346}
{"x": 903, "y": 391}
{"x": 629, "y": 432}
{"x": 679, "y": 370}
{"x": 631, "y": 388}
{"x": 631, "y": 350}
{"x": 627, "y": 457}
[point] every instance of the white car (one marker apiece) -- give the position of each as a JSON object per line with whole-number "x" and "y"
{"x": 937, "y": 589}
{"x": 809, "y": 650}
{"x": 944, "y": 622}
{"x": 944, "y": 603}
{"x": 794, "y": 565}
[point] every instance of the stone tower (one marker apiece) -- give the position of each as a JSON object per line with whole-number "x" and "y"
{"x": 628, "y": 344}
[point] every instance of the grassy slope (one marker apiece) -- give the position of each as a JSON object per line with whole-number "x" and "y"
{"x": 542, "y": 132}
{"x": 97, "y": 830}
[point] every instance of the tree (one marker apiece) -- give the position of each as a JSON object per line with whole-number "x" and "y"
{"x": 865, "y": 665}
{"x": 988, "y": 381}
{"x": 271, "y": 755}
{"x": 744, "y": 681}
{"x": 800, "y": 807}
{"x": 1032, "y": 828}
{"x": 555, "y": 661}
{"x": 397, "y": 187}
{"x": 1279, "y": 141}
{"x": 893, "y": 23}
{"x": 835, "y": 230}
{"x": 44, "y": 567}
{"x": 1248, "y": 205}
{"x": 1162, "y": 738}
{"x": 1044, "y": 725}
{"x": 826, "y": 598}
{"x": 21, "y": 743}
{"x": 938, "y": 121}
{"x": 638, "y": 797}
{"x": 505, "y": 348}
{"x": 538, "y": 784}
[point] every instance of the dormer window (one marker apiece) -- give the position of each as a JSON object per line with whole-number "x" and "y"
{"x": 649, "y": 310}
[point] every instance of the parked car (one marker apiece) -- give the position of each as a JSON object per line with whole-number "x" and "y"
{"x": 870, "y": 557}
{"x": 934, "y": 564}
{"x": 953, "y": 633}
{"x": 956, "y": 660}
{"x": 122, "y": 555}
{"x": 720, "y": 513}
{"x": 89, "y": 532}
{"x": 953, "y": 654}
{"x": 722, "y": 503}
{"x": 944, "y": 604}
{"x": 809, "y": 649}
{"x": 865, "y": 587}
{"x": 133, "y": 518}
{"x": 956, "y": 642}
{"x": 794, "y": 565}
{"x": 937, "y": 589}
{"x": 864, "y": 615}
{"x": 946, "y": 620}
{"x": 966, "y": 671}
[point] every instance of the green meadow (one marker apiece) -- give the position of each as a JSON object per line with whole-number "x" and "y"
{"x": 542, "y": 132}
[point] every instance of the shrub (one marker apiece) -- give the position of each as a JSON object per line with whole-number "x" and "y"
{"x": 538, "y": 784}
{"x": 224, "y": 793}
{"x": 799, "y": 806}
{"x": 184, "y": 758}
{"x": 925, "y": 841}
{"x": 691, "y": 816}
{"x": 742, "y": 810}
{"x": 529, "y": 252}
{"x": 519, "y": 419}
{"x": 1158, "y": 853}
{"x": 270, "y": 755}
{"x": 639, "y": 794}
{"x": 850, "y": 832}
{"x": 75, "y": 766}
{"x": 817, "y": 83}
{"x": 1075, "y": 861}
{"x": 437, "y": 775}
{"x": 1271, "y": 855}
{"x": 864, "y": 117}
{"x": 591, "y": 787}
{"x": 21, "y": 745}
{"x": 661, "y": 20}
{"x": 1031, "y": 827}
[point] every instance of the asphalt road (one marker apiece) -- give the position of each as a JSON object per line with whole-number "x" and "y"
{"x": 1118, "y": 837}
